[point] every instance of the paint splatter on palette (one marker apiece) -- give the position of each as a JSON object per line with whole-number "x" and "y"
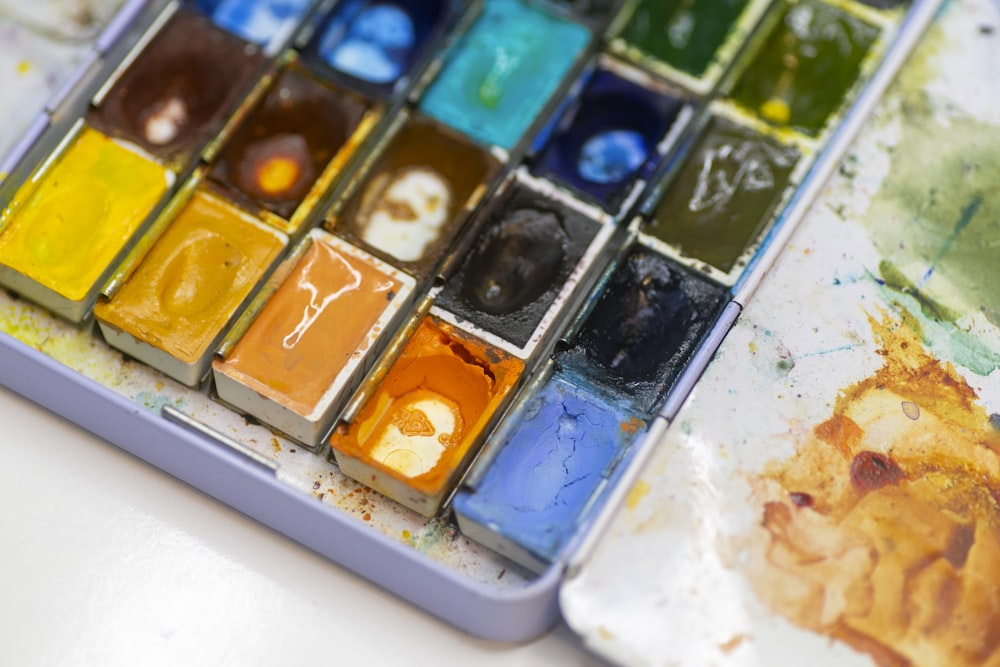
{"x": 840, "y": 497}
{"x": 437, "y": 272}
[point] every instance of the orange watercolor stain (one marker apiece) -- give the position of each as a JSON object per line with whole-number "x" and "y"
{"x": 733, "y": 643}
{"x": 632, "y": 426}
{"x": 889, "y": 540}
{"x": 839, "y": 431}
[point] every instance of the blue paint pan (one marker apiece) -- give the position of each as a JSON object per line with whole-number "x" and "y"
{"x": 547, "y": 473}
{"x": 610, "y": 139}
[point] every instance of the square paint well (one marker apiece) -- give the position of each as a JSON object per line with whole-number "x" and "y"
{"x": 178, "y": 90}
{"x": 417, "y": 195}
{"x": 723, "y": 196}
{"x": 647, "y": 321}
{"x": 528, "y": 247}
{"x": 684, "y": 34}
{"x": 608, "y": 140}
{"x": 503, "y": 72}
{"x": 67, "y": 226}
{"x": 381, "y": 44}
{"x": 292, "y": 145}
{"x": 804, "y": 70}
{"x": 173, "y": 309}
{"x": 258, "y": 21}
{"x": 418, "y": 432}
{"x": 536, "y": 488}
{"x": 300, "y": 358}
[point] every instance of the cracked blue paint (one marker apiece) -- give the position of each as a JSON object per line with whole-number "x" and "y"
{"x": 539, "y": 486}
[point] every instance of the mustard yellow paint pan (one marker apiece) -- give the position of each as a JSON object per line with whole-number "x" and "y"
{"x": 73, "y": 220}
{"x": 173, "y": 309}
{"x": 305, "y": 351}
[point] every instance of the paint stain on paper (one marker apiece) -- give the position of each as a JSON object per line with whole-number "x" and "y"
{"x": 636, "y": 494}
{"x": 883, "y": 530}
{"x": 937, "y": 231}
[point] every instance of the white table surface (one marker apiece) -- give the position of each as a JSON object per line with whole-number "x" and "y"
{"x": 107, "y": 561}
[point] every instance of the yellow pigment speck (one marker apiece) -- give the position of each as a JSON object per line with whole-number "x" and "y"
{"x": 23, "y": 67}
{"x": 68, "y": 226}
{"x": 776, "y": 111}
{"x": 636, "y": 494}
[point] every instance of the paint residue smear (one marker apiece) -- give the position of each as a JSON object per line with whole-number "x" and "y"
{"x": 883, "y": 531}
{"x": 935, "y": 229}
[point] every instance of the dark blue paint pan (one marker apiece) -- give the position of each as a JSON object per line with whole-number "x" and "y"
{"x": 609, "y": 140}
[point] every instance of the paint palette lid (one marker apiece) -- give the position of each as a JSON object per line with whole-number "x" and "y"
{"x": 801, "y": 507}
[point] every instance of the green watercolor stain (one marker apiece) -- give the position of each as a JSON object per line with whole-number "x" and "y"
{"x": 896, "y": 280}
{"x": 935, "y": 221}
{"x": 935, "y": 324}
{"x": 806, "y": 67}
{"x": 967, "y": 347}
{"x": 968, "y": 213}
{"x": 437, "y": 534}
{"x": 154, "y": 400}
{"x": 682, "y": 33}
{"x": 721, "y": 198}
{"x": 936, "y": 218}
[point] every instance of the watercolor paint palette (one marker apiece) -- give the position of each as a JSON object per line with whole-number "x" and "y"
{"x": 416, "y": 283}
